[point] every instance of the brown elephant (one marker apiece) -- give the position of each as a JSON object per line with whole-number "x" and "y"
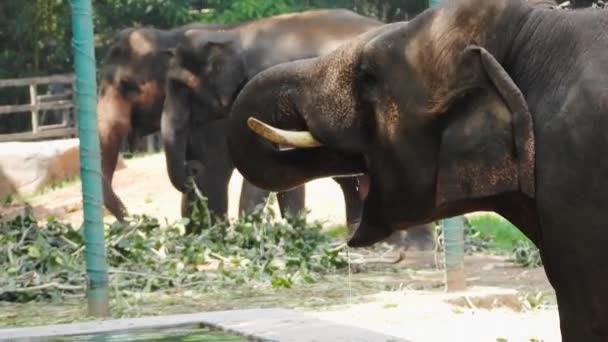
{"x": 473, "y": 105}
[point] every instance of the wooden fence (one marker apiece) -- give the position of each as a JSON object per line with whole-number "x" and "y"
{"x": 62, "y": 102}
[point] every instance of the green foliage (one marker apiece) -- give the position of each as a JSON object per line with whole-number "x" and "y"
{"x": 114, "y": 15}
{"x": 246, "y": 10}
{"x": 492, "y": 232}
{"x": 147, "y": 256}
{"x": 34, "y": 37}
{"x": 494, "y": 228}
{"x": 534, "y": 302}
{"x": 337, "y": 232}
{"x": 526, "y": 254}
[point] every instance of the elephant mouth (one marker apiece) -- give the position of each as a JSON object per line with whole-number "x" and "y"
{"x": 303, "y": 139}
{"x": 364, "y": 234}
{"x": 285, "y": 139}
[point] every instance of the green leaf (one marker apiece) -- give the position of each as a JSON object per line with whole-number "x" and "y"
{"x": 33, "y": 252}
{"x": 281, "y": 282}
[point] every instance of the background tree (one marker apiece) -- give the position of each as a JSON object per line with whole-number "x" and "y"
{"x": 35, "y": 34}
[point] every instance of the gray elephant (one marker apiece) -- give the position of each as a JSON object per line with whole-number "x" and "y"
{"x": 131, "y": 95}
{"x": 204, "y": 77}
{"x": 473, "y": 105}
{"x": 130, "y": 103}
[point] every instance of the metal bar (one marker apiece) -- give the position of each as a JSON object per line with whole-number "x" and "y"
{"x": 22, "y": 82}
{"x": 453, "y": 250}
{"x": 150, "y": 143}
{"x": 65, "y": 104}
{"x": 42, "y": 134}
{"x": 90, "y": 164}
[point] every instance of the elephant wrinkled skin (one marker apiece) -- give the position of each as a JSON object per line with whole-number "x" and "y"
{"x": 472, "y": 105}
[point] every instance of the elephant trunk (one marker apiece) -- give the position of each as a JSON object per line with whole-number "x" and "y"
{"x": 114, "y": 122}
{"x": 272, "y": 97}
{"x": 175, "y": 133}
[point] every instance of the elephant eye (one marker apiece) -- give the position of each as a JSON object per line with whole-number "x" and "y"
{"x": 128, "y": 87}
{"x": 366, "y": 82}
{"x": 366, "y": 76}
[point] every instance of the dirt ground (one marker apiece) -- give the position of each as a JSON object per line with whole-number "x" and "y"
{"x": 414, "y": 307}
{"x": 498, "y": 304}
{"x": 144, "y": 187}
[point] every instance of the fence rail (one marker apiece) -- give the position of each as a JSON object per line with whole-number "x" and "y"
{"x": 20, "y": 82}
{"x": 41, "y": 104}
{"x": 63, "y": 103}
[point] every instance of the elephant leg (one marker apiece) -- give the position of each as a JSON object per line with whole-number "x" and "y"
{"x": 416, "y": 238}
{"x": 292, "y": 202}
{"x": 252, "y": 198}
{"x": 580, "y": 287}
{"x": 420, "y": 238}
{"x": 113, "y": 126}
{"x": 352, "y": 201}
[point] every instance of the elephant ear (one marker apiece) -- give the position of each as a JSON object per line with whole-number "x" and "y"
{"x": 223, "y": 64}
{"x": 487, "y": 144}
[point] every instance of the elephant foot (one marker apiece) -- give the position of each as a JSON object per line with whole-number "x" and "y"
{"x": 367, "y": 235}
{"x": 420, "y": 238}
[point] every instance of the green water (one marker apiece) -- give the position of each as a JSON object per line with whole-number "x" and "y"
{"x": 189, "y": 334}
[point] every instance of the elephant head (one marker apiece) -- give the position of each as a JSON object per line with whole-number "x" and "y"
{"x": 420, "y": 109}
{"x": 205, "y": 75}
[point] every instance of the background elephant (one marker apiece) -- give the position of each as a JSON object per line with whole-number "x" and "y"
{"x": 129, "y": 106}
{"x": 496, "y": 106}
{"x": 131, "y": 95}
{"x": 131, "y": 98}
{"x": 206, "y": 74}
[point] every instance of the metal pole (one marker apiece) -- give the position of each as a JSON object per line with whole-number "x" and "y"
{"x": 90, "y": 165}
{"x": 453, "y": 241}
{"x": 453, "y": 250}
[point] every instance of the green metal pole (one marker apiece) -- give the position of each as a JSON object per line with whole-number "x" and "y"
{"x": 453, "y": 250}
{"x": 453, "y": 241}
{"x": 90, "y": 165}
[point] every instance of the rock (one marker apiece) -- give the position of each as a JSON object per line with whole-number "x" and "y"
{"x": 27, "y": 167}
{"x": 12, "y": 211}
{"x": 6, "y": 186}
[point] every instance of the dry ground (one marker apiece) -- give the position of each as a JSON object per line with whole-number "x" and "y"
{"x": 144, "y": 187}
{"x": 416, "y": 308}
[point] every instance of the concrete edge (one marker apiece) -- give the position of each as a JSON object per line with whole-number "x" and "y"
{"x": 273, "y": 324}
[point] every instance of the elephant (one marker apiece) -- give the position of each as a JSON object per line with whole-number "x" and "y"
{"x": 131, "y": 99}
{"x": 130, "y": 102}
{"x": 206, "y": 73}
{"x": 473, "y": 105}
{"x": 131, "y": 95}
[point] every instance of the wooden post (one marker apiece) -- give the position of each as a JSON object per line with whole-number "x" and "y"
{"x": 34, "y": 103}
{"x": 40, "y": 103}
{"x": 65, "y": 119}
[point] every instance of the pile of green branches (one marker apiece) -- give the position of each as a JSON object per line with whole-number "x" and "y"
{"x": 144, "y": 255}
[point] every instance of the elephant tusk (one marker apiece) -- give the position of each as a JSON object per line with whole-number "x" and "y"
{"x": 283, "y": 137}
